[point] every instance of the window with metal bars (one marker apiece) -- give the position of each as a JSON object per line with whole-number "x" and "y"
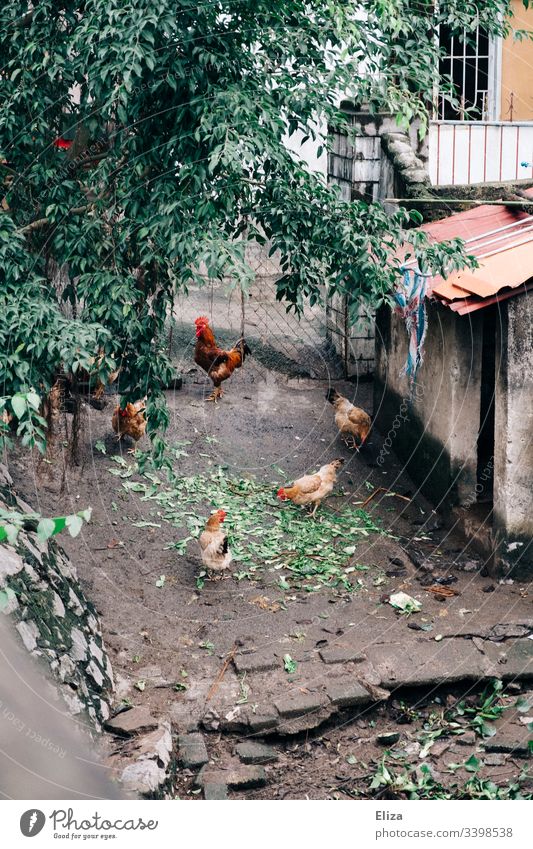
{"x": 464, "y": 62}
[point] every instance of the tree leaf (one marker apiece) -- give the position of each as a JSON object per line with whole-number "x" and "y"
{"x": 74, "y": 524}
{"x": 45, "y": 529}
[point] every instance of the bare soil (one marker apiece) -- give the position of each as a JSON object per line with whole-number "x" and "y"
{"x": 269, "y": 419}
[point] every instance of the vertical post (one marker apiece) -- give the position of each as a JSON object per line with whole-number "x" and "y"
{"x": 346, "y": 335}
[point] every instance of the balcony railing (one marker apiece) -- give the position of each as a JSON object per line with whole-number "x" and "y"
{"x": 468, "y": 152}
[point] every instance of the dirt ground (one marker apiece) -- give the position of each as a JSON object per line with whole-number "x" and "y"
{"x": 272, "y": 421}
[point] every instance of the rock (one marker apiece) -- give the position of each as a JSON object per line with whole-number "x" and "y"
{"x": 64, "y": 629}
{"x": 192, "y": 750}
{"x": 466, "y": 739}
{"x": 299, "y": 703}
{"x": 67, "y": 667}
{"x": 255, "y": 662}
{"x": 347, "y": 693}
{"x": 130, "y": 722}
{"x": 157, "y": 745}
{"x": 95, "y": 673}
{"x": 28, "y": 632}
{"x": 439, "y": 747}
{"x": 494, "y": 760}
{"x": 342, "y": 654}
{"x": 143, "y": 776}
{"x": 510, "y": 738}
{"x": 504, "y": 631}
{"x": 431, "y": 664}
{"x": 262, "y": 722}
{"x": 96, "y": 652}
{"x": 79, "y": 645}
{"x": 517, "y": 657}
{"x": 255, "y": 753}
{"x": 215, "y": 792}
{"x": 389, "y": 738}
{"x": 237, "y": 777}
{"x": 10, "y": 563}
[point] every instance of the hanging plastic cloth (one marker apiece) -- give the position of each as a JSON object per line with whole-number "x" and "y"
{"x": 410, "y": 297}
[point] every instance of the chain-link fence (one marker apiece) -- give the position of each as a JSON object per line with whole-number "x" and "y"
{"x": 298, "y": 347}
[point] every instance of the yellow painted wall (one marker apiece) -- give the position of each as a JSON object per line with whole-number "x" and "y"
{"x": 517, "y": 68}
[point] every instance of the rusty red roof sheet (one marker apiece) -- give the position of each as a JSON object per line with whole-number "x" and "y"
{"x": 502, "y": 240}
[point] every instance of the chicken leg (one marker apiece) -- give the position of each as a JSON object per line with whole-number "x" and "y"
{"x": 315, "y": 508}
{"x": 216, "y": 394}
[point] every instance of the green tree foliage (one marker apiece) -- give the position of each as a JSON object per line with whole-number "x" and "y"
{"x": 177, "y": 112}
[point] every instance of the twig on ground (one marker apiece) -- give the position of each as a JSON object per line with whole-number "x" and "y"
{"x": 383, "y": 489}
{"x": 216, "y": 683}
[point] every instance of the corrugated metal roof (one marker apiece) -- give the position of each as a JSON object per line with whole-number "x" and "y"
{"x": 502, "y": 240}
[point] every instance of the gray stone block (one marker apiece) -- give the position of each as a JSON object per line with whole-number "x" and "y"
{"x": 348, "y": 694}
{"x": 299, "y": 704}
{"x": 215, "y": 792}
{"x": 255, "y": 662}
{"x": 192, "y": 750}
{"x": 342, "y": 654}
{"x": 130, "y": 722}
{"x": 251, "y": 752}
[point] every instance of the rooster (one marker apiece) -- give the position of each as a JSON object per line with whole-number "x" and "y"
{"x": 312, "y": 489}
{"x": 130, "y": 421}
{"x": 218, "y": 364}
{"x": 353, "y": 423}
{"x": 216, "y": 555}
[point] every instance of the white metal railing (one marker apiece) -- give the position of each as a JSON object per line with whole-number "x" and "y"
{"x": 468, "y": 152}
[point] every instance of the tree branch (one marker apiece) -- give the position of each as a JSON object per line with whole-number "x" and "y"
{"x": 76, "y": 210}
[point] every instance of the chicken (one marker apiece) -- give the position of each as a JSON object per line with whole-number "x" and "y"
{"x": 216, "y": 555}
{"x": 353, "y": 423}
{"x": 218, "y": 364}
{"x": 131, "y": 421}
{"x": 311, "y": 489}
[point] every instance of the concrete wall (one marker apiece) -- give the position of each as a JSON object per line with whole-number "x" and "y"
{"x": 378, "y": 162}
{"x": 352, "y": 339}
{"x": 513, "y": 460}
{"x": 435, "y": 433}
{"x": 517, "y": 61}
{"x": 355, "y": 163}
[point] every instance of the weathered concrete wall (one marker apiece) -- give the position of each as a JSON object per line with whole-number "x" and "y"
{"x": 353, "y": 342}
{"x": 54, "y": 620}
{"x": 355, "y": 164}
{"x": 435, "y": 433}
{"x": 378, "y": 162}
{"x": 513, "y": 460}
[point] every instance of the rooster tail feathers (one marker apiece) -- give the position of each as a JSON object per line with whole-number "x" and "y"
{"x": 242, "y": 346}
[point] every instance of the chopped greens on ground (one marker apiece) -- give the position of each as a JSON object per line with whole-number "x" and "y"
{"x": 302, "y": 553}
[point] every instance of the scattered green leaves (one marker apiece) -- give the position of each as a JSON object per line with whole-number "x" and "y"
{"x": 289, "y": 664}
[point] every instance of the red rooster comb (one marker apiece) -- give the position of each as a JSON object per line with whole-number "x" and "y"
{"x": 281, "y": 494}
{"x": 221, "y": 515}
{"x": 201, "y": 320}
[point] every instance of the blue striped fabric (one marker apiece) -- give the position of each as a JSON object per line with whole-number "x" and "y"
{"x": 410, "y": 297}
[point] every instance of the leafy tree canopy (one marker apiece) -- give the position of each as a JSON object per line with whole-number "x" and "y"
{"x": 177, "y": 112}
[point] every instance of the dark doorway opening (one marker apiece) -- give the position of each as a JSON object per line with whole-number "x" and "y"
{"x": 485, "y": 440}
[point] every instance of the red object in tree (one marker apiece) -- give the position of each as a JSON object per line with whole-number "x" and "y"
{"x": 62, "y": 143}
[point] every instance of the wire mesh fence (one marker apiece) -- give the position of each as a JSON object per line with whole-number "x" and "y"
{"x": 296, "y": 346}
